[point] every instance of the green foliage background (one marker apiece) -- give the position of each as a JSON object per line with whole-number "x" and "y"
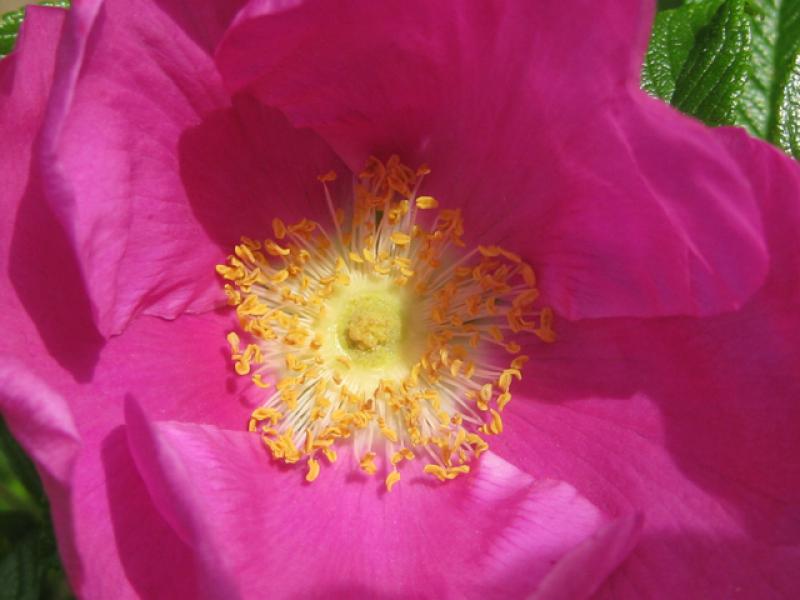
{"x": 726, "y": 62}
{"x": 731, "y": 62}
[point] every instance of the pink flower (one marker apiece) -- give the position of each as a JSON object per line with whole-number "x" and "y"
{"x": 652, "y": 451}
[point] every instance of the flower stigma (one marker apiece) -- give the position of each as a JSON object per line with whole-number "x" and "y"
{"x": 381, "y": 331}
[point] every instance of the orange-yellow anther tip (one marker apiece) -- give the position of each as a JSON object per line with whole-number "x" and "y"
{"x": 391, "y": 479}
{"x": 427, "y": 202}
{"x": 313, "y": 469}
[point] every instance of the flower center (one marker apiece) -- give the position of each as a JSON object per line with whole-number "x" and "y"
{"x": 371, "y": 324}
{"x": 366, "y": 332}
{"x": 379, "y": 333}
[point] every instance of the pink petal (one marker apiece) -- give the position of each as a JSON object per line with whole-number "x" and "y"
{"x": 36, "y": 258}
{"x": 128, "y": 549}
{"x": 693, "y": 421}
{"x": 155, "y": 188}
{"x": 258, "y": 527}
{"x": 388, "y": 75}
{"x": 580, "y": 573}
{"x": 650, "y": 215}
{"x": 41, "y": 421}
{"x": 177, "y": 370}
{"x": 205, "y": 22}
{"x": 530, "y": 116}
{"x": 36, "y": 414}
{"x": 107, "y": 528}
{"x": 711, "y": 532}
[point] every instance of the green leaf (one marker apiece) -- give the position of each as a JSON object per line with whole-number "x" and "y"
{"x": 14, "y": 525}
{"x": 9, "y": 26}
{"x": 671, "y": 42}
{"x": 715, "y": 72}
{"x": 10, "y": 23}
{"x": 787, "y": 124}
{"x": 22, "y": 570}
{"x": 29, "y": 564}
{"x": 20, "y": 467}
{"x": 770, "y": 105}
{"x": 30, "y": 568}
{"x": 730, "y": 62}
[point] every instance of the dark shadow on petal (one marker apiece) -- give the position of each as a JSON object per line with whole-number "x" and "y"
{"x": 156, "y": 561}
{"x": 45, "y": 274}
{"x": 204, "y": 22}
{"x": 353, "y": 591}
{"x": 722, "y": 386}
{"x": 711, "y": 567}
{"x": 726, "y": 387}
{"x": 243, "y": 166}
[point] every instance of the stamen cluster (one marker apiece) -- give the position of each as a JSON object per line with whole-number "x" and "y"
{"x": 379, "y": 332}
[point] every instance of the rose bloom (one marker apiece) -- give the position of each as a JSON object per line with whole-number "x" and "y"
{"x": 394, "y": 300}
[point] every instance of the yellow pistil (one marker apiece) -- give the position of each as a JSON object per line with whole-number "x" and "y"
{"x": 380, "y": 332}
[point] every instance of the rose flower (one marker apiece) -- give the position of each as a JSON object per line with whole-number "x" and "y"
{"x": 393, "y": 299}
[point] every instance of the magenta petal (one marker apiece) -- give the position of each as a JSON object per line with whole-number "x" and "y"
{"x": 625, "y": 207}
{"x": 36, "y": 257}
{"x": 40, "y": 420}
{"x": 128, "y": 550}
{"x": 205, "y": 21}
{"x": 650, "y": 215}
{"x": 34, "y": 411}
{"x": 155, "y": 188}
{"x": 178, "y": 370}
{"x": 36, "y": 414}
{"x": 110, "y": 163}
{"x": 390, "y": 76}
{"x": 258, "y": 527}
{"x": 584, "y": 569}
{"x": 694, "y": 421}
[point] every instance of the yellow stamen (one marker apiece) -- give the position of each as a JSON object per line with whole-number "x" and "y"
{"x": 260, "y": 382}
{"x": 392, "y": 478}
{"x": 427, "y": 202}
{"x": 313, "y": 469}
{"x": 403, "y": 453}
{"x": 401, "y": 239}
{"x": 367, "y": 463}
{"x": 376, "y": 331}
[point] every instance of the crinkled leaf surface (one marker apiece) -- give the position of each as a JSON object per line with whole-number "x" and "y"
{"x": 770, "y": 106}
{"x": 673, "y": 37}
{"x": 712, "y": 78}
{"x": 786, "y": 131}
{"x": 730, "y": 62}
